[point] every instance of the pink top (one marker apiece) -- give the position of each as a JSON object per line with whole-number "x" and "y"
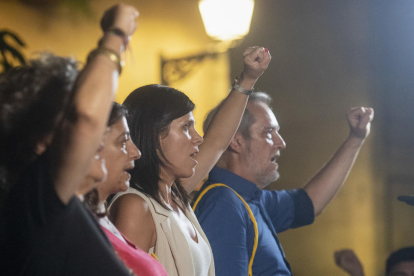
{"x": 141, "y": 263}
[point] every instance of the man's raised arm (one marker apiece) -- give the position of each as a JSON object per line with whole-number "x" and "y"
{"x": 327, "y": 182}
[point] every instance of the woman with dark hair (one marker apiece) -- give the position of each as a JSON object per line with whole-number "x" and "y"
{"x": 51, "y": 126}
{"x": 156, "y": 215}
{"x": 119, "y": 153}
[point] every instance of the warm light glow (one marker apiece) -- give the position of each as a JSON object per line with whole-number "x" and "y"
{"x": 226, "y": 19}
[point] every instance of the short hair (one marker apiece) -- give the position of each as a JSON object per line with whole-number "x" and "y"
{"x": 247, "y": 119}
{"x": 33, "y": 98}
{"x": 151, "y": 109}
{"x": 405, "y": 254}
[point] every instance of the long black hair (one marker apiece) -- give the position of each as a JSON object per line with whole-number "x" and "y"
{"x": 151, "y": 109}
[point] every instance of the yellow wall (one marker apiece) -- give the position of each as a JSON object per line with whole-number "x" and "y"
{"x": 168, "y": 27}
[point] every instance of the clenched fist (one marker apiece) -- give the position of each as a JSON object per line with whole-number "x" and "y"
{"x": 256, "y": 61}
{"x": 359, "y": 119}
{"x": 122, "y": 17}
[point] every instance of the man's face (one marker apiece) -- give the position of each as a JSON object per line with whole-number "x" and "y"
{"x": 403, "y": 269}
{"x": 263, "y": 148}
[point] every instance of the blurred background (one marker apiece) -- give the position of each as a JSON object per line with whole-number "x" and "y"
{"x": 327, "y": 56}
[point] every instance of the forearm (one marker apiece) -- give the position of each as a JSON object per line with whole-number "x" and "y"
{"x": 327, "y": 182}
{"x": 97, "y": 84}
{"x": 93, "y": 96}
{"x": 219, "y": 134}
{"x": 227, "y": 119}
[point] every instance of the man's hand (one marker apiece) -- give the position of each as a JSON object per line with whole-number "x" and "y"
{"x": 122, "y": 17}
{"x": 348, "y": 261}
{"x": 256, "y": 60}
{"x": 359, "y": 119}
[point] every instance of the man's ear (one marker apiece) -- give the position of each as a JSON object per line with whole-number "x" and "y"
{"x": 237, "y": 143}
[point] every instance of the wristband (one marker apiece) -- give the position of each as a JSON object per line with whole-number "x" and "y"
{"x": 241, "y": 89}
{"x": 120, "y": 33}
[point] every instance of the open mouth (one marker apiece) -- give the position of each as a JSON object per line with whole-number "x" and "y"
{"x": 274, "y": 158}
{"x": 129, "y": 175}
{"x": 126, "y": 172}
{"x": 193, "y": 154}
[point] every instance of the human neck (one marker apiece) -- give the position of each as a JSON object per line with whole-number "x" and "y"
{"x": 165, "y": 190}
{"x": 166, "y": 181}
{"x": 103, "y": 194}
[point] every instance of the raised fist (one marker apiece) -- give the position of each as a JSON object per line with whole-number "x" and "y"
{"x": 122, "y": 17}
{"x": 359, "y": 119}
{"x": 256, "y": 59}
{"x": 348, "y": 261}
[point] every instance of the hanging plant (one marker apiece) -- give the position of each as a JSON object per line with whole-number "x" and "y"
{"x": 8, "y": 51}
{"x": 82, "y": 6}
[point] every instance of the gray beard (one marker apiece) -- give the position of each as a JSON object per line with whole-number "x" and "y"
{"x": 263, "y": 179}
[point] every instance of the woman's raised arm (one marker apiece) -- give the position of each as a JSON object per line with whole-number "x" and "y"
{"x": 227, "y": 119}
{"x": 93, "y": 95}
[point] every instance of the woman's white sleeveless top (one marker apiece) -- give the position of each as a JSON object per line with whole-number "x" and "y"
{"x": 200, "y": 253}
{"x": 173, "y": 249}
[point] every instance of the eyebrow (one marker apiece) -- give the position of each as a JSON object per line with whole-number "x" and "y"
{"x": 190, "y": 121}
{"x": 123, "y": 134}
{"x": 274, "y": 126}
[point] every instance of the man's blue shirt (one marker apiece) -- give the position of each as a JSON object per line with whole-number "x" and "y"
{"x": 230, "y": 231}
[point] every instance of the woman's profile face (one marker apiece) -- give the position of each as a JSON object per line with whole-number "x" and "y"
{"x": 180, "y": 146}
{"x": 119, "y": 154}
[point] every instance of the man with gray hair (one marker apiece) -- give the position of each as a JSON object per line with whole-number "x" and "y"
{"x": 240, "y": 219}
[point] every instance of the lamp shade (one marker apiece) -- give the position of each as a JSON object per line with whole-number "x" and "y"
{"x": 226, "y": 19}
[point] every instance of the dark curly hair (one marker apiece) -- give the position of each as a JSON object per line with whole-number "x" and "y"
{"x": 151, "y": 109}
{"x": 33, "y": 99}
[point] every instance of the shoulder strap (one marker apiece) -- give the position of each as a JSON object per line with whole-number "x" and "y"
{"x": 256, "y": 230}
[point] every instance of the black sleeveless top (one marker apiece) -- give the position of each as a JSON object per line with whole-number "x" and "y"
{"x": 40, "y": 235}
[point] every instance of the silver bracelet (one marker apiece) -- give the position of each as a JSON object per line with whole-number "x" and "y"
{"x": 241, "y": 89}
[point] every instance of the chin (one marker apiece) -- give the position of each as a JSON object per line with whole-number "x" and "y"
{"x": 124, "y": 187}
{"x": 276, "y": 177}
{"x": 187, "y": 174}
{"x": 265, "y": 180}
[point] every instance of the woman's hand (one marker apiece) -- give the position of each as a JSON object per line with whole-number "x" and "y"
{"x": 122, "y": 17}
{"x": 256, "y": 60}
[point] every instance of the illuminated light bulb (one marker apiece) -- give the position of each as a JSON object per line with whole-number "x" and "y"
{"x": 226, "y": 19}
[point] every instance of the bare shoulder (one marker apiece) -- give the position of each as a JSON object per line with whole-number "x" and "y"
{"x": 131, "y": 215}
{"x": 131, "y": 206}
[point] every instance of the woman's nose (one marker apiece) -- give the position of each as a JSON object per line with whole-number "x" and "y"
{"x": 134, "y": 151}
